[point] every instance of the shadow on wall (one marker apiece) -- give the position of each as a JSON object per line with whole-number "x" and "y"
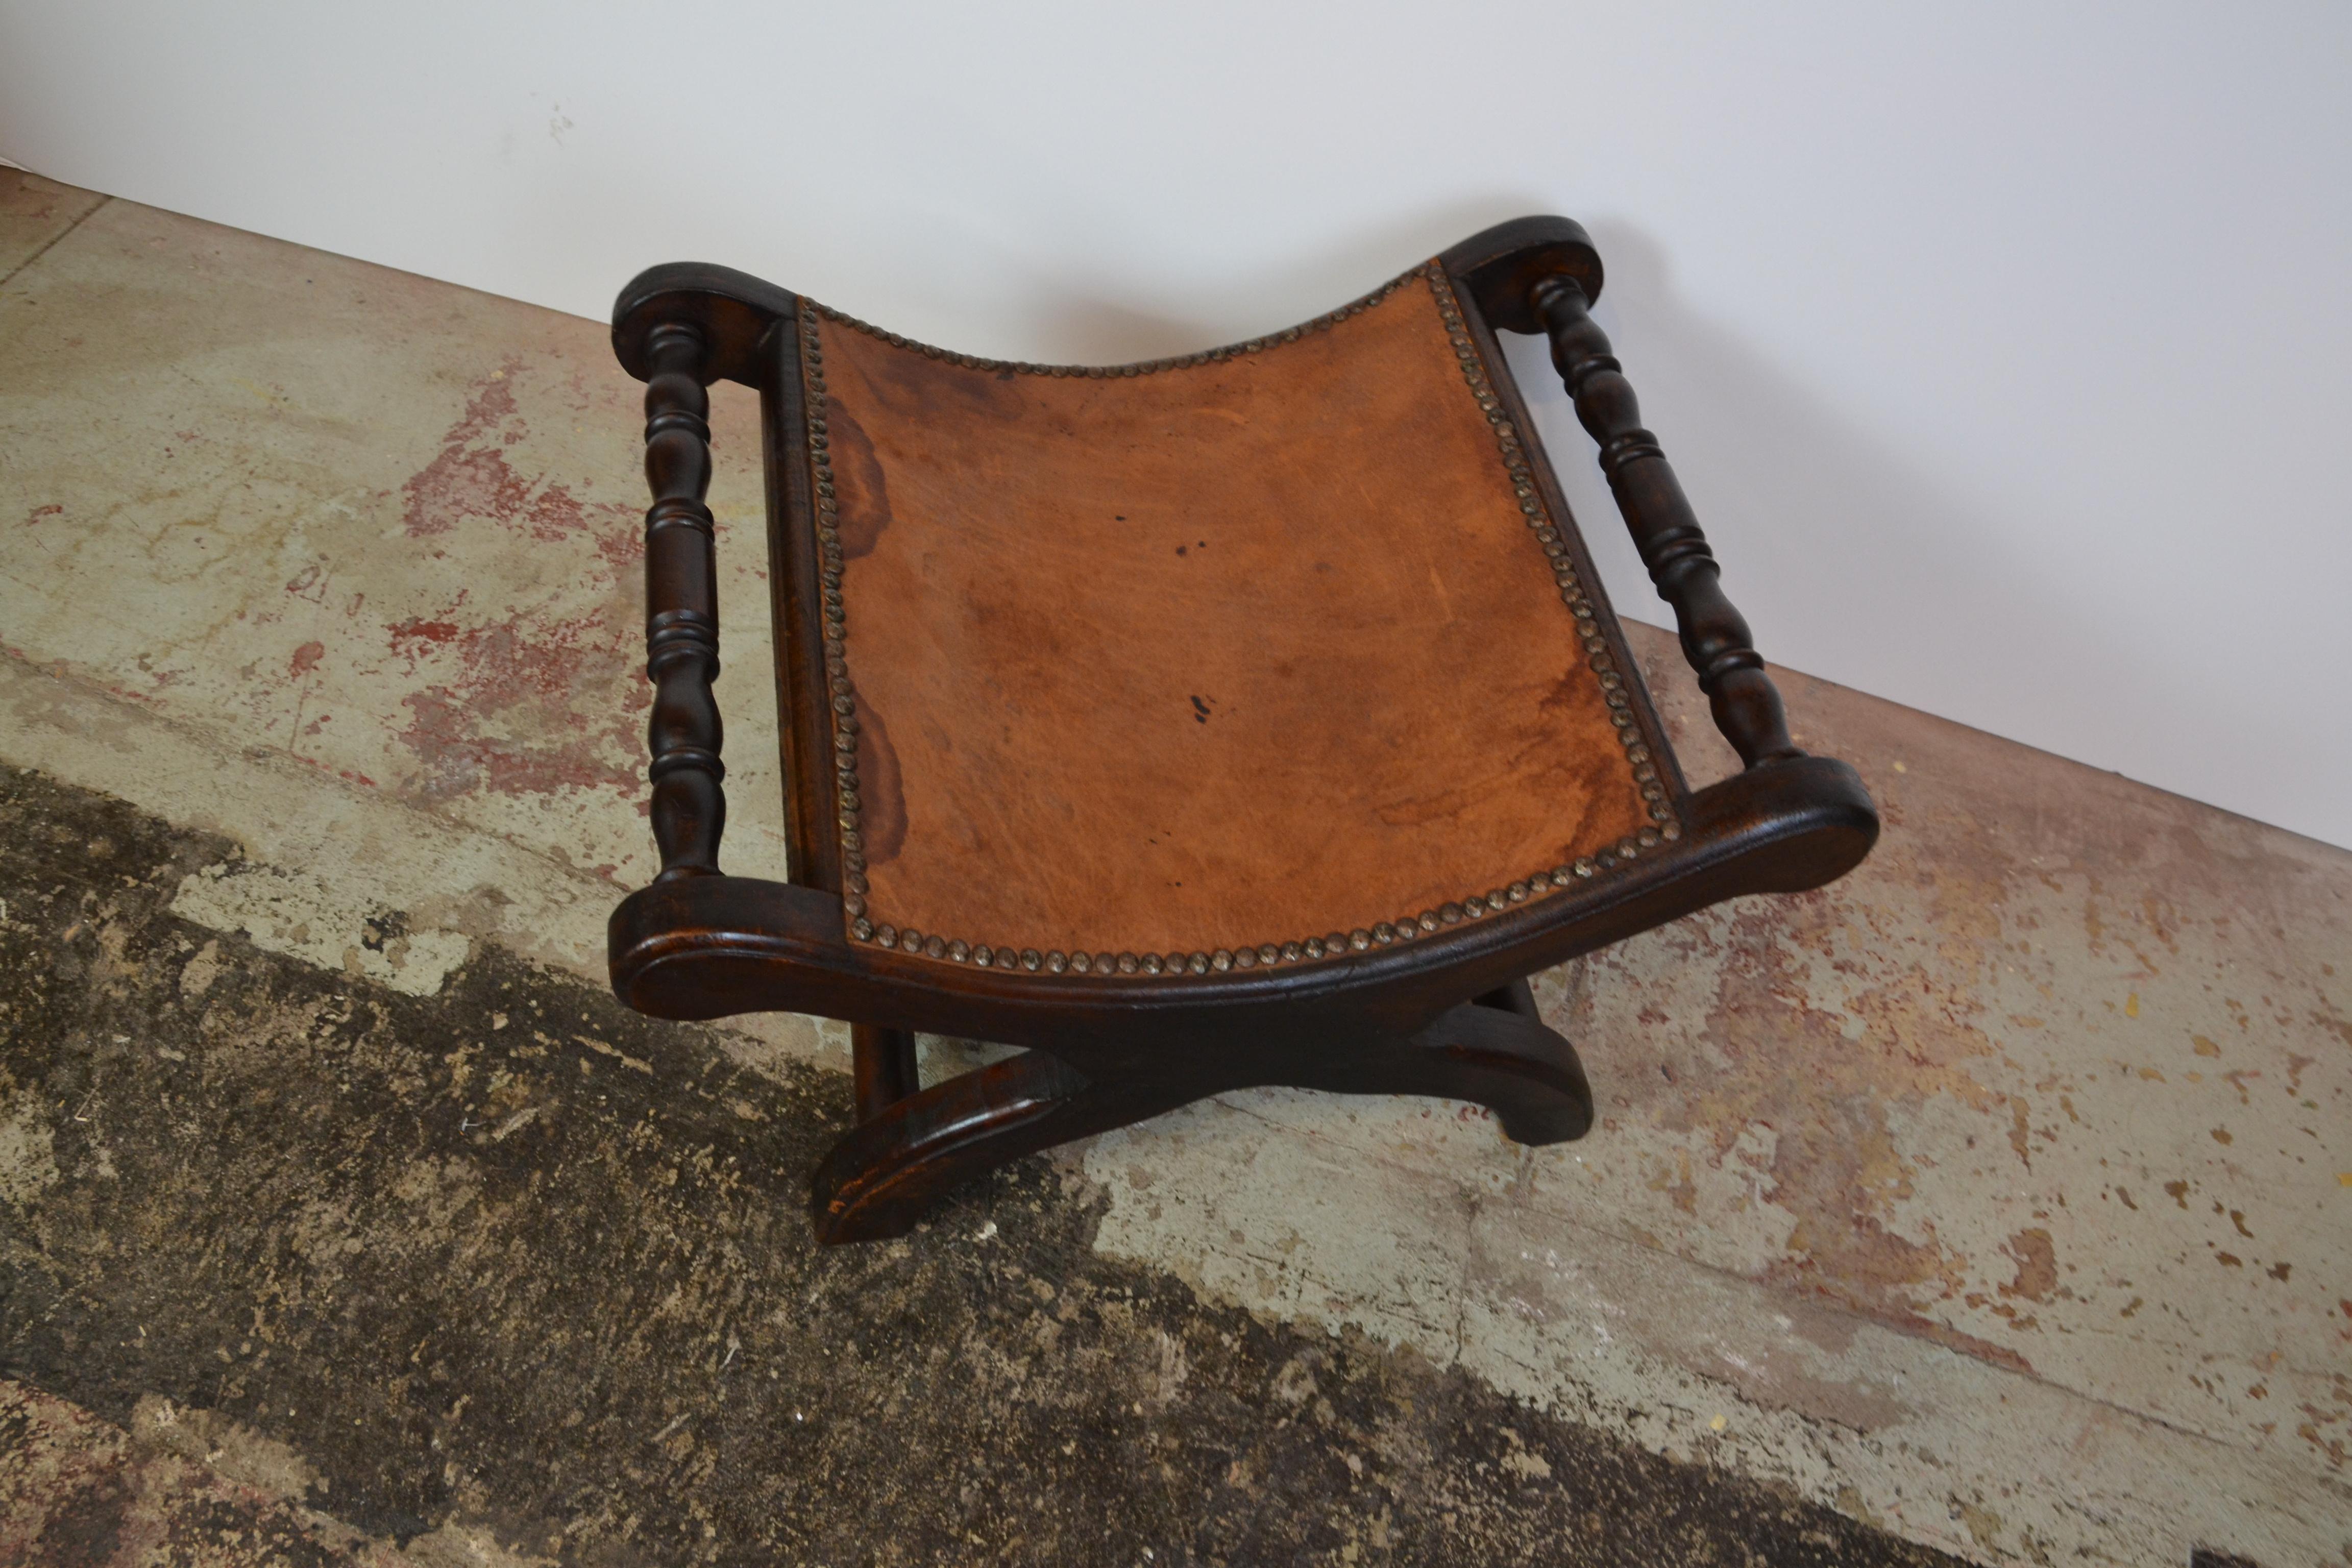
{"x": 1072, "y": 322}
{"x": 1850, "y": 563}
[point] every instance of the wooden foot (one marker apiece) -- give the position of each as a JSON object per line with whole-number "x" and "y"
{"x": 1518, "y": 998}
{"x": 1505, "y": 1057}
{"x": 878, "y": 1180}
{"x": 1493, "y": 1052}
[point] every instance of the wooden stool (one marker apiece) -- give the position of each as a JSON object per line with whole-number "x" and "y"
{"x": 1252, "y": 717}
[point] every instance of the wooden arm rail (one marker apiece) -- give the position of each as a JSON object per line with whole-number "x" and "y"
{"x": 684, "y": 733}
{"x": 1715, "y": 639}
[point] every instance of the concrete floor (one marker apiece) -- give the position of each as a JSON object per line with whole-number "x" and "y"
{"x": 1996, "y": 1202}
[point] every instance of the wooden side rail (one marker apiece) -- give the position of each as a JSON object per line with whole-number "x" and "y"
{"x": 689, "y": 808}
{"x": 1715, "y": 639}
{"x": 677, "y": 328}
{"x": 682, "y": 326}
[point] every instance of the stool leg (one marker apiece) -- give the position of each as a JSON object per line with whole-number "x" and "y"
{"x": 884, "y": 1063}
{"x": 1518, "y": 998}
{"x": 1497, "y": 1055}
{"x": 884, "y": 1173}
{"x": 1505, "y": 1058}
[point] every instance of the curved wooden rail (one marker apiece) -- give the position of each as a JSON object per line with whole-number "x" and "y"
{"x": 708, "y": 947}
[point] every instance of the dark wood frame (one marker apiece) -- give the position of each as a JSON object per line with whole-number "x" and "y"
{"x": 1104, "y": 1050}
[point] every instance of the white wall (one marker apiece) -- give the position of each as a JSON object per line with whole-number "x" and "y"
{"x": 2003, "y": 347}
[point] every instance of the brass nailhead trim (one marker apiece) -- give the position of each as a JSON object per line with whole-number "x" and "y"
{"x": 1408, "y": 927}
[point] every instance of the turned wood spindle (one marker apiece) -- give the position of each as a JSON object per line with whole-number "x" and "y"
{"x": 1715, "y": 639}
{"x": 689, "y": 808}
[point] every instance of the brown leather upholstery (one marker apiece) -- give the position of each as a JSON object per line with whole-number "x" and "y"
{"x": 1207, "y": 657}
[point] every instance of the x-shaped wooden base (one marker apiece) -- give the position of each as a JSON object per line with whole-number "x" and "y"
{"x": 915, "y": 1144}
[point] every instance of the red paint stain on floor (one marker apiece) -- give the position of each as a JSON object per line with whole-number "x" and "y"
{"x": 516, "y": 713}
{"x": 528, "y": 702}
{"x": 470, "y": 480}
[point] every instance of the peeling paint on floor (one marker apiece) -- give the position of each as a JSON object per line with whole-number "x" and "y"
{"x": 351, "y": 1271}
{"x": 302, "y": 916}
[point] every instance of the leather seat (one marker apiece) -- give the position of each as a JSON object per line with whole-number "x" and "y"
{"x": 1262, "y": 648}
